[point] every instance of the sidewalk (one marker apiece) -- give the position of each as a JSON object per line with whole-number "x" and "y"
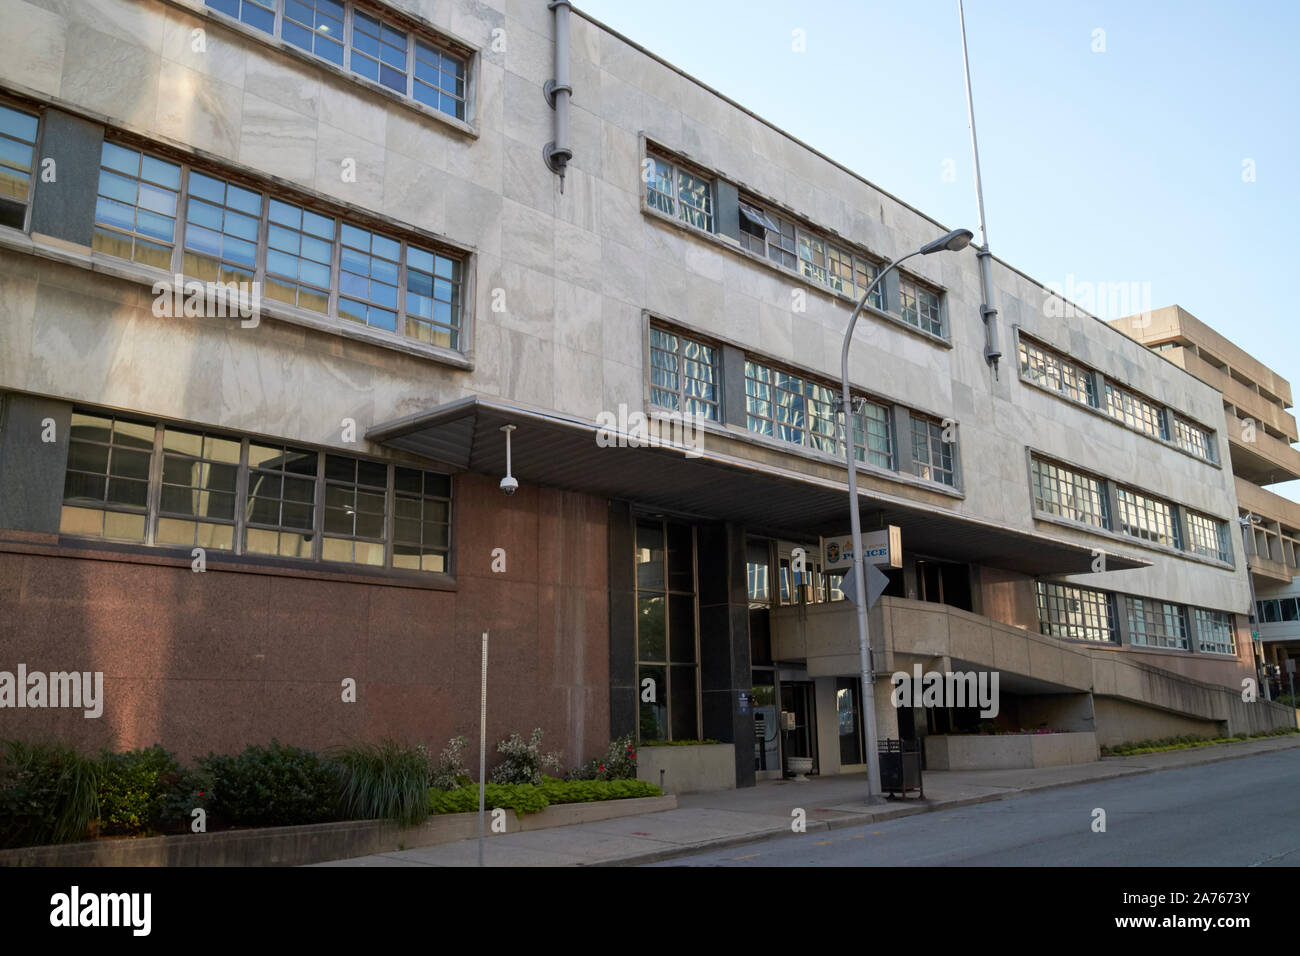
{"x": 732, "y": 817}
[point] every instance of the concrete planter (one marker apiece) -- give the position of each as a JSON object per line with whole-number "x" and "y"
{"x": 318, "y": 843}
{"x": 1009, "y": 751}
{"x": 693, "y": 768}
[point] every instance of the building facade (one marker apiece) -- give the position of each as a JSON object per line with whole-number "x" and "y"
{"x": 1261, "y": 432}
{"x": 280, "y": 515}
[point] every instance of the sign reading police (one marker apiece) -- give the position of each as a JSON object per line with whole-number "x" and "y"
{"x": 883, "y": 548}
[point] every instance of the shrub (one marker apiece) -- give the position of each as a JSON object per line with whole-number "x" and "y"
{"x": 183, "y": 792}
{"x": 273, "y": 786}
{"x": 132, "y": 789}
{"x": 523, "y": 761}
{"x": 451, "y": 771}
{"x": 526, "y": 798}
{"x": 49, "y": 793}
{"x": 520, "y": 797}
{"x": 619, "y": 763}
{"x": 384, "y": 781}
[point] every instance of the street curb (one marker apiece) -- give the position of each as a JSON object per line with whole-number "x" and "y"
{"x": 885, "y": 814}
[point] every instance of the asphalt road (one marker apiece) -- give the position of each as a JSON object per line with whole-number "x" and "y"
{"x": 1243, "y": 812}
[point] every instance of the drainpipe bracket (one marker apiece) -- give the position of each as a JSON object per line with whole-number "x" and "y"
{"x": 551, "y": 88}
{"x": 556, "y": 159}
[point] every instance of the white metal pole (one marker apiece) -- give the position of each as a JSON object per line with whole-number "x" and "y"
{"x": 482, "y": 751}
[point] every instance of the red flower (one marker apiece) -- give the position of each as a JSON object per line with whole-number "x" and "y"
{"x": 602, "y": 766}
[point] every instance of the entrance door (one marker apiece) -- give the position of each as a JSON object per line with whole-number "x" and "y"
{"x": 799, "y": 720}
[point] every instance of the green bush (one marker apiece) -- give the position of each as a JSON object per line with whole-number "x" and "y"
{"x": 619, "y": 763}
{"x": 678, "y": 743}
{"x": 451, "y": 772}
{"x": 526, "y": 798}
{"x": 132, "y": 789}
{"x": 49, "y": 793}
{"x": 524, "y": 761}
{"x": 523, "y": 798}
{"x": 273, "y": 786}
{"x": 384, "y": 781}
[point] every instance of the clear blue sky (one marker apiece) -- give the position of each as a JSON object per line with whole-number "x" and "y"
{"x": 1119, "y": 166}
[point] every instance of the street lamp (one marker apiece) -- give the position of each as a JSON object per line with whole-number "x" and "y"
{"x": 1248, "y": 522}
{"x": 957, "y": 239}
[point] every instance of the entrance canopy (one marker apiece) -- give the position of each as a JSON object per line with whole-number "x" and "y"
{"x": 713, "y": 481}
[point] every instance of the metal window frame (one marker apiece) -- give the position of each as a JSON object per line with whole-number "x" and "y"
{"x": 39, "y": 115}
{"x": 133, "y": 234}
{"x": 1051, "y": 595}
{"x": 678, "y": 354}
{"x": 667, "y": 663}
{"x": 413, "y": 34}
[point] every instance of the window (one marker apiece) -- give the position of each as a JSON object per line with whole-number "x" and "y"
{"x": 865, "y": 273}
{"x": 1214, "y": 632}
{"x": 848, "y": 705}
{"x": 364, "y": 44}
{"x": 683, "y": 374}
{"x": 932, "y": 457}
{"x": 222, "y": 227}
{"x": 135, "y": 212}
{"x": 422, "y": 527}
{"x": 17, "y": 149}
{"x": 839, "y": 267}
{"x": 316, "y": 26}
{"x": 248, "y": 496}
{"x": 920, "y": 307}
{"x": 666, "y": 637}
{"x": 433, "y": 283}
{"x": 1207, "y": 536}
{"x": 1148, "y": 518}
{"x": 1071, "y": 494}
{"x": 790, "y": 407}
{"x": 439, "y": 80}
{"x": 1080, "y": 614}
{"x": 369, "y": 264}
{"x": 303, "y": 257}
{"x": 1269, "y": 612}
{"x": 1193, "y": 438}
{"x": 768, "y": 235}
{"x": 356, "y": 493}
{"x": 200, "y": 475}
{"x": 1154, "y": 623}
{"x": 378, "y": 51}
{"x": 1056, "y": 373}
{"x": 877, "y": 446}
{"x": 256, "y": 13}
{"x": 106, "y": 487}
{"x": 280, "y": 514}
{"x": 1136, "y": 412}
{"x": 676, "y": 192}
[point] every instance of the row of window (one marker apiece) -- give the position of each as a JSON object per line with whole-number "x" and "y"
{"x": 1086, "y": 614}
{"x": 176, "y": 218}
{"x": 363, "y": 43}
{"x": 1277, "y": 610}
{"x": 789, "y": 406}
{"x": 1069, "y": 493}
{"x": 171, "y": 486}
{"x": 1055, "y": 372}
{"x": 686, "y": 195}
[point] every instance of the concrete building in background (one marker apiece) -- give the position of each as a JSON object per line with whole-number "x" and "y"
{"x": 238, "y": 517}
{"x": 1261, "y": 432}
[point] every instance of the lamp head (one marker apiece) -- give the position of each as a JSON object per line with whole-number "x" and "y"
{"x": 957, "y": 239}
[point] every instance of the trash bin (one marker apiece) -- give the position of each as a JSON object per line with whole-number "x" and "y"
{"x": 900, "y": 767}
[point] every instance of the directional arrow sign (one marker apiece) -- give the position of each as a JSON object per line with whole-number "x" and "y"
{"x": 876, "y": 584}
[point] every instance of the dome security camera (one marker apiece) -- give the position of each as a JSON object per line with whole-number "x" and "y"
{"x": 509, "y": 485}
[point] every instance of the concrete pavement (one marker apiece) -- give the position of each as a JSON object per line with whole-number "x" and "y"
{"x": 727, "y": 818}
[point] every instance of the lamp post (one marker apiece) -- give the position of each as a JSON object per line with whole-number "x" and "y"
{"x": 957, "y": 239}
{"x": 1248, "y": 522}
